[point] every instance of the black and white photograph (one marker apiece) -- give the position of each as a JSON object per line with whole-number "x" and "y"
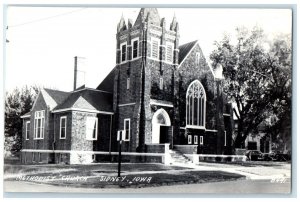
{"x": 144, "y": 99}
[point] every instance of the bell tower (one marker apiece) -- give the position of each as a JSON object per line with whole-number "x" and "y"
{"x": 147, "y": 53}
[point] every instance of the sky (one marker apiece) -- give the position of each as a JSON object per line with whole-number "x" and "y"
{"x": 43, "y": 41}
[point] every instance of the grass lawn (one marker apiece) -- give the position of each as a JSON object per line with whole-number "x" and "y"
{"x": 136, "y": 180}
{"x": 84, "y": 169}
{"x": 104, "y": 175}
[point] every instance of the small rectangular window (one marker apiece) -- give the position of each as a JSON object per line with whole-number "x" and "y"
{"x": 197, "y": 59}
{"x": 27, "y": 129}
{"x": 189, "y": 139}
{"x": 123, "y": 52}
{"x": 161, "y": 83}
{"x": 201, "y": 140}
{"x": 91, "y": 128}
{"x": 155, "y": 48}
{"x": 195, "y": 139}
{"x": 128, "y": 83}
{"x": 169, "y": 53}
{"x": 127, "y": 129}
{"x": 135, "y": 46}
{"x": 63, "y": 127}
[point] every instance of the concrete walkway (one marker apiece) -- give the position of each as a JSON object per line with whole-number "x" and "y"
{"x": 257, "y": 172}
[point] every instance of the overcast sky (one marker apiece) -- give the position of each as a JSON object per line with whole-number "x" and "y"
{"x": 43, "y": 41}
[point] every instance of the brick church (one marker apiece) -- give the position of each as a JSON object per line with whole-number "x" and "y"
{"x": 160, "y": 96}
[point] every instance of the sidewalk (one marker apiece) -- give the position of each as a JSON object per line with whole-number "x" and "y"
{"x": 254, "y": 173}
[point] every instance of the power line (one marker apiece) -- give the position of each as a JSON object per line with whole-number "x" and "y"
{"x": 46, "y": 18}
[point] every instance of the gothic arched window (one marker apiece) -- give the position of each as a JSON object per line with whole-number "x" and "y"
{"x": 195, "y": 105}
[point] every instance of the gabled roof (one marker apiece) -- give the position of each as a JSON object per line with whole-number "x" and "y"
{"x": 89, "y": 99}
{"x": 51, "y": 97}
{"x": 26, "y": 115}
{"x": 108, "y": 83}
{"x": 185, "y": 49}
{"x": 56, "y": 95}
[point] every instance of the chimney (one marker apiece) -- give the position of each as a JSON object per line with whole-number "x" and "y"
{"x": 79, "y": 72}
{"x": 75, "y": 73}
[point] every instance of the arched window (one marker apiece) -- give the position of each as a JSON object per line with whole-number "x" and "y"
{"x": 195, "y": 105}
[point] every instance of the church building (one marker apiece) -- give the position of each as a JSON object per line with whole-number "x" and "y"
{"x": 160, "y": 97}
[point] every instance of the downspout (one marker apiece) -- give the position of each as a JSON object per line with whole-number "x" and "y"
{"x": 54, "y": 139}
{"x": 110, "y": 134}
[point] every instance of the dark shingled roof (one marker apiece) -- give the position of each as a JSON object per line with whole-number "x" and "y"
{"x": 101, "y": 101}
{"x": 185, "y": 49}
{"x": 108, "y": 83}
{"x": 150, "y": 14}
{"x": 58, "y": 96}
{"x": 26, "y": 114}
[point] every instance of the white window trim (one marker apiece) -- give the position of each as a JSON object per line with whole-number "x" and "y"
{"x": 63, "y": 117}
{"x": 158, "y": 47}
{"x": 161, "y": 83}
{"x": 201, "y": 140}
{"x": 195, "y": 139}
{"x": 172, "y": 52}
{"x": 132, "y": 42}
{"x": 129, "y": 130}
{"x": 189, "y": 139}
{"x": 42, "y": 129}
{"x": 26, "y": 130}
{"x": 124, "y": 43}
{"x": 96, "y": 132}
{"x": 201, "y": 117}
{"x": 128, "y": 83}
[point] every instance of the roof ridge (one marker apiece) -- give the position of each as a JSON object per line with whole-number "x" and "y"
{"x": 195, "y": 41}
{"x": 92, "y": 89}
{"x": 56, "y": 90}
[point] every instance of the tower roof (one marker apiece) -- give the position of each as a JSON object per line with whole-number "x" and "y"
{"x": 122, "y": 25}
{"x": 174, "y": 24}
{"x": 148, "y": 14}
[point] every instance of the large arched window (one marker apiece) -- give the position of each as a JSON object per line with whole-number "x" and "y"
{"x": 195, "y": 105}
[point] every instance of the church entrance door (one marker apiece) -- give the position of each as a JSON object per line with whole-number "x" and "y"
{"x": 160, "y": 120}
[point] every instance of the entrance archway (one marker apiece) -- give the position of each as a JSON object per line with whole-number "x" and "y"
{"x": 160, "y": 118}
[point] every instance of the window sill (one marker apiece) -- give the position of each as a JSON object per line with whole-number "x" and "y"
{"x": 195, "y": 127}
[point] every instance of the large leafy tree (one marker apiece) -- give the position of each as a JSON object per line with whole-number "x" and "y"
{"x": 17, "y": 103}
{"x": 257, "y": 77}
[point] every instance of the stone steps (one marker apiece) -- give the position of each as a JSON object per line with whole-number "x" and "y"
{"x": 178, "y": 157}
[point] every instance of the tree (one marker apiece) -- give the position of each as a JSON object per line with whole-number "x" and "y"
{"x": 17, "y": 103}
{"x": 280, "y": 127}
{"x": 256, "y": 78}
